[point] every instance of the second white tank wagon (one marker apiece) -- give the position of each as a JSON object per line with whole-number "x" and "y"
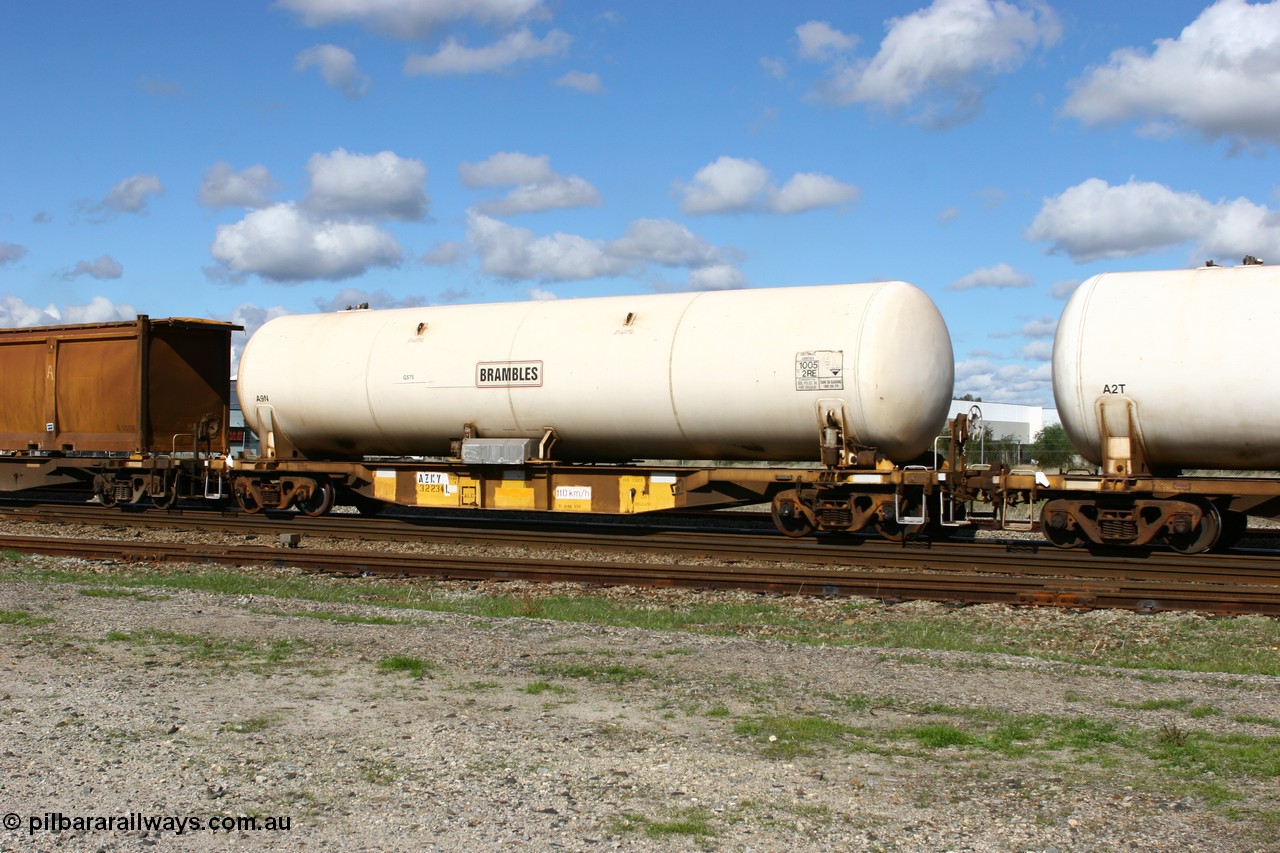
{"x": 726, "y": 375}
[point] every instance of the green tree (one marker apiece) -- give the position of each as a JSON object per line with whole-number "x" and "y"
{"x": 1052, "y": 448}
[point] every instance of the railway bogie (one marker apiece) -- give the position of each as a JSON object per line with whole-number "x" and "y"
{"x": 1190, "y": 526}
{"x": 311, "y": 494}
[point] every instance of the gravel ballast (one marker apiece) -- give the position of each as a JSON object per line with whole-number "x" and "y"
{"x": 553, "y": 735}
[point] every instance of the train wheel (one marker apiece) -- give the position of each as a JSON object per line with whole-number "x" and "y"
{"x": 896, "y": 531}
{"x": 246, "y": 501}
{"x": 321, "y": 500}
{"x": 788, "y": 517}
{"x": 169, "y": 497}
{"x": 1059, "y": 537}
{"x": 1203, "y": 537}
{"x": 107, "y": 493}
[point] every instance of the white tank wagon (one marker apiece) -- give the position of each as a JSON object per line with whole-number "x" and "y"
{"x": 1158, "y": 372}
{"x": 727, "y": 375}
{"x": 1172, "y": 370}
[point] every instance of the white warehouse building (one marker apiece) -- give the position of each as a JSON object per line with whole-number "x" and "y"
{"x": 1012, "y": 420}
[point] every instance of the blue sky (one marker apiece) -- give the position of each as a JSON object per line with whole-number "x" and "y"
{"x": 242, "y": 160}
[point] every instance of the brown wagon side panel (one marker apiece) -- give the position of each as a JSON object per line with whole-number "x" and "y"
{"x": 123, "y": 387}
{"x": 69, "y": 388}
{"x": 95, "y": 392}
{"x": 22, "y": 380}
{"x": 188, "y": 385}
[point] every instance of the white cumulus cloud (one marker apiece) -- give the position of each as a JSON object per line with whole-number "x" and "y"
{"x": 516, "y": 253}
{"x": 939, "y": 57}
{"x": 520, "y": 255}
{"x": 716, "y": 277}
{"x": 733, "y": 184}
{"x": 381, "y": 185}
{"x": 997, "y": 276}
{"x": 1095, "y": 220}
{"x": 819, "y": 41}
{"x": 1011, "y": 382}
{"x": 130, "y": 195}
{"x": 538, "y": 188}
{"x": 285, "y": 245}
{"x": 664, "y": 242}
{"x": 562, "y": 192}
{"x": 223, "y": 186}
{"x": 810, "y": 191}
{"x": 104, "y": 267}
{"x": 1220, "y": 78}
{"x": 100, "y": 309}
{"x": 16, "y": 313}
{"x": 507, "y": 167}
{"x": 411, "y": 19}
{"x": 1045, "y": 327}
{"x": 337, "y": 66}
{"x": 588, "y": 83}
{"x": 454, "y": 58}
{"x": 728, "y": 184}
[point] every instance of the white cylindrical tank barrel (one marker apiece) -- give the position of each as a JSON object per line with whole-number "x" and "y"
{"x": 714, "y": 375}
{"x": 1191, "y": 354}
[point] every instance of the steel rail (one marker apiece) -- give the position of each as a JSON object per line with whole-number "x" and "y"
{"x": 957, "y": 587}
{"x": 1028, "y": 557}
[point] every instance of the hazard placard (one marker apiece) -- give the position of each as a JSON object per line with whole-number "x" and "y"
{"x": 820, "y": 370}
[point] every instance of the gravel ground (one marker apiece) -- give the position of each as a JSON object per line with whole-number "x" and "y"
{"x": 540, "y": 734}
{"x": 184, "y": 707}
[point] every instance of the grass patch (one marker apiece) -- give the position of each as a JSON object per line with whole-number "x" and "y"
{"x": 1217, "y": 768}
{"x": 788, "y": 737}
{"x": 694, "y": 821}
{"x": 1195, "y": 754}
{"x": 939, "y": 736}
{"x": 1196, "y": 712}
{"x": 23, "y": 618}
{"x": 1244, "y": 645}
{"x": 196, "y": 648}
{"x": 614, "y": 673}
{"x": 481, "y": 685}
{"x": 537, "y": 688}
{"x": 414, "y": 666}
{"x": 1154, "y": 705}
{"x": 344, "y": 618}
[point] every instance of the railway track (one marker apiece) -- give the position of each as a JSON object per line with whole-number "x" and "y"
{"x": 1013, "y": 571}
